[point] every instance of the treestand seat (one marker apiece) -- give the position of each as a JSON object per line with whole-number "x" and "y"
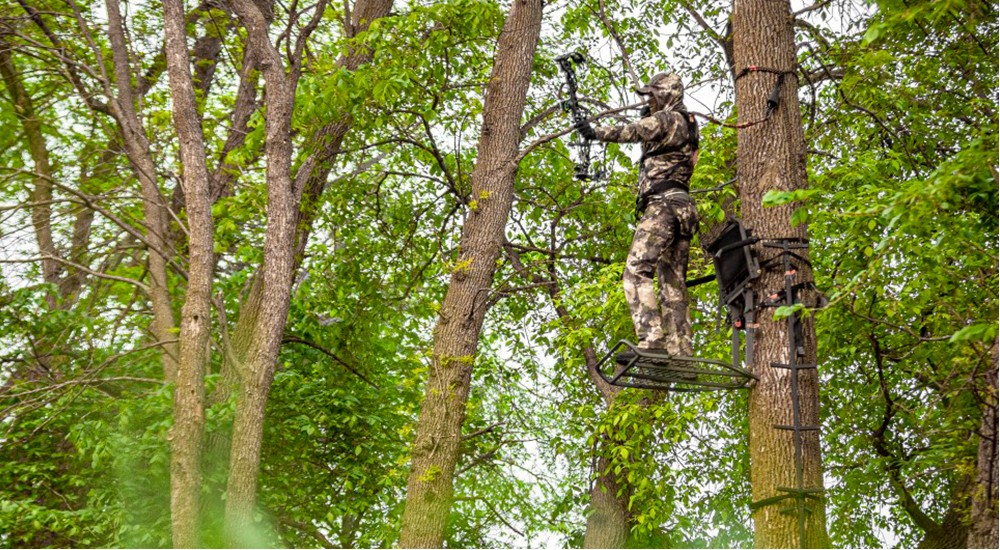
{"x": 657, "y": 370}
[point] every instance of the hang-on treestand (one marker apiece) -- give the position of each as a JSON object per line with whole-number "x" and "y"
{"x": 655, "y": 370}
{"x": 736, "y": 266}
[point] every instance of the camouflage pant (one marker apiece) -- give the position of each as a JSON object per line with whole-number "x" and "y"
{"x": 660, "y": 246}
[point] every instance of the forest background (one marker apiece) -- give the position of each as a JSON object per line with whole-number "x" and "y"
{"x": 229, "y": 231}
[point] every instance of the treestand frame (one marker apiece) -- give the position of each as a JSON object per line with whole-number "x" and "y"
{"x": 736, "y": 267}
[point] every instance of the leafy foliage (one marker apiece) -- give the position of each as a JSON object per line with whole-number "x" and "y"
{"x": 900, "y": 109}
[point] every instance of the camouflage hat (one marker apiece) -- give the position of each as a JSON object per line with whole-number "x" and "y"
{"x": 665, "y": 87}
{"x": 653, "y": 83}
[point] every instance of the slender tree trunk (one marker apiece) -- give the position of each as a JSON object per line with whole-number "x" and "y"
{"x": 154, "y": 206}
{"x": 222, "y": 185}
{"x": 263, "y": 324}
{"x": 983, "y": 531}
{"x": 770, "y": 156}
{"x": 436, "y": 446}
{"x": 69, "y": 287}
{"x": 41, "y": 193}
{"x": 40, "y": 196}
{"x": 609, "y": 520}
{"x": 187, "y": 433}
{"x": 276, "y": 277}
{"x": 311, "y": 178}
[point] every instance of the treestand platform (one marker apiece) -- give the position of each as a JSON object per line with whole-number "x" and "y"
{"x": 657, "y": 370}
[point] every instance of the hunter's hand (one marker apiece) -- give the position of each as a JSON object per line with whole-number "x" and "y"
{"x": 585, "y": 130}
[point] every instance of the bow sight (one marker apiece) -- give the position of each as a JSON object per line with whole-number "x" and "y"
{"x": 585, "y": 169}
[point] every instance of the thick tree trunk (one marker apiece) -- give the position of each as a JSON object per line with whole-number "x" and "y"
{"x": 983, "y": 531}
{"x": 436, "y": 446}
{"x": 187, "y": 433}
{"x": 154, "y": 206}
{"x": 770, "y": 156}
{"x": 609, "y": 521}
{"x": 953, "y": 529}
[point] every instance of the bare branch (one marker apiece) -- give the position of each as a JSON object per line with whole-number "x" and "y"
{"x": 483, "y": 431}
{"x": 549, "y": 137}
{"x": 69, "y": 65}
{"x": 82, "y": 382}
{"x": 90, "y": 201}
{"x": 310, "y": 530}
{"x": 328, "y": 353}
{"x": 75, "y": 265}
{"x": 817, "y": 6}
{"x": 608, "y": 24}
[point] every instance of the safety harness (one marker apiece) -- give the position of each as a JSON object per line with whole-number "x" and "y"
{"x": 667, "y": 182}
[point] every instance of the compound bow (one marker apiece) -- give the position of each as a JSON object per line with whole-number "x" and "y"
{"x": 586, "y": 169}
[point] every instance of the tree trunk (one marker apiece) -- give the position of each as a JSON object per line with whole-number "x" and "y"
{"x": 608, "y": 519}
{"x": 40, "y": 197}
{"x": 438, "y": 433}
{"x": 154, "y": 206}
{"x": 276, "y": 277}
{"x": 953, "y": 529}
{"x": 187, "y": 433}
{"x": 772, "y": 155}
{"x": 609, "y": 522}
{"x": 262, "y": 324}
{"x": 311, "y": 178}
{"x": 41, "y": 194}
{"x": 983, "y": 531}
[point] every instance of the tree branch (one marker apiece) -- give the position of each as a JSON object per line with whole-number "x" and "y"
{"x": 894, "y": 463}
{"x": 483, "y": 431}
{"x": 818, "y": 5}
{"x": 608, "y": 24}
{"x": 85, "y": 269}
{"x": 549, "y": 137}
{"x": 328, "y": 353}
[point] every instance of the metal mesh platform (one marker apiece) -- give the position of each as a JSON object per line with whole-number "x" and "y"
{"x": 656, "y": 370}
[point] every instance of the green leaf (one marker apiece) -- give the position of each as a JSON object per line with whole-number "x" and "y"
{"x": 977, "y": 332}
{"x": 783, "y": 312}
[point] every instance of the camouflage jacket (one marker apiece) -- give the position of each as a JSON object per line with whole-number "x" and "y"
{"x": 669, "y": 145}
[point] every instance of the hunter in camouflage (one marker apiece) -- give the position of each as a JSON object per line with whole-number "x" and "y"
{"x": 667, "y": 215}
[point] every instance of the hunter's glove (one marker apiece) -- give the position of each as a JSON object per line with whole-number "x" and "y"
{"x": 585, "y": 130}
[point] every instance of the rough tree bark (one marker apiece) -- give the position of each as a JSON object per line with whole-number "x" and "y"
{"x": 770, "y": 156}
{"x": 311, "y": 177}
{"x": 257, "y": 372}
{"x": 187, "y": 433}
{"x": 609, "y": 520}
{"x": 983, "y": 530}
{"x": 136, "y": 144}
{"x": 952, "y": 531}
{"x": 436, "y": 446}
{"x": 271, "y": 291}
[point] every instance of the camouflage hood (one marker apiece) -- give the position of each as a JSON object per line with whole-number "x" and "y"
{"x": 667, "y": 89}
